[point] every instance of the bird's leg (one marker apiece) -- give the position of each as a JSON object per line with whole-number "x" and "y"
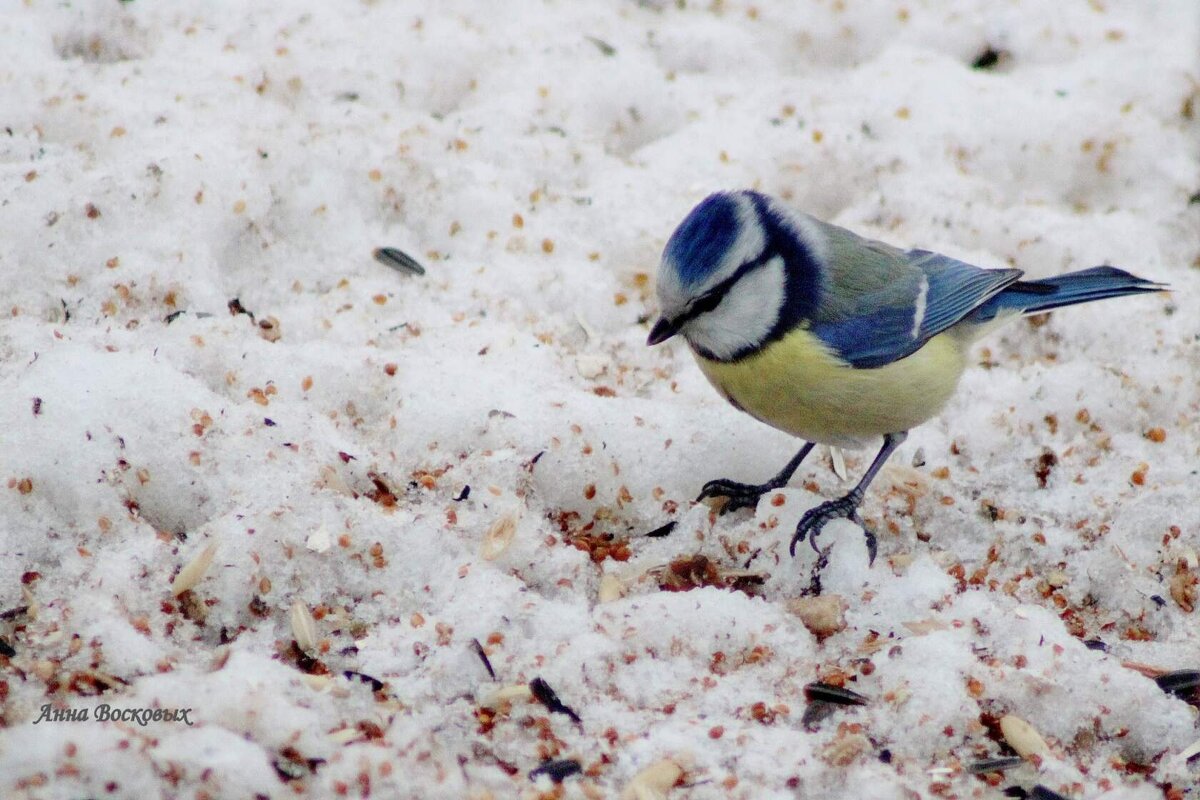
{"x": 847, "y": 507}
{"x": 743, "y": 495}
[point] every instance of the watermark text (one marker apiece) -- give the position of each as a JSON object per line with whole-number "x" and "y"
{"x": 106, "y": 713}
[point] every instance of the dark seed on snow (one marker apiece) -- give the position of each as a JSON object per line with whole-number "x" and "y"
{"x": 547, "y": 697}
{"x": 1180, "y": 683}
{"x": 350, "y": 674}
{"x": 995, "y": 764}
{"x": 815, "y": 712}
{"x": 398, "y": 260}
{"x": 557, "y": 771}
{"x": 828, "y": 693}
{"x": 487, "y": 664}
{"x": 663, "y": 530}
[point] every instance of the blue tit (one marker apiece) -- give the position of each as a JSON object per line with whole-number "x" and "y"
{"x": 832, "y": 337}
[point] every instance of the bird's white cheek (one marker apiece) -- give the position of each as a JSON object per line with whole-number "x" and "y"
{"x": 746, "y": 315}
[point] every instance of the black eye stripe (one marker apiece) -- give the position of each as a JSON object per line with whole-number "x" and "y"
{"x": 713, "y": 297}
{"x": 708, "y": 302}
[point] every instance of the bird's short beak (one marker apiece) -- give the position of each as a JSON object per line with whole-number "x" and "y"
{"x": 663, "y": 329}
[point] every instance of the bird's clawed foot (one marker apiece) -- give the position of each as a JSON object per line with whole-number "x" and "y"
{"x": 746, "y": 495}
{"x": 816, "y": 518}
{"x": 738, "y": 495}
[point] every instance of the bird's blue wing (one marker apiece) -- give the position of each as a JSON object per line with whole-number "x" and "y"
{"x": 956, "y": 288}
{"x": 927, "y": 293}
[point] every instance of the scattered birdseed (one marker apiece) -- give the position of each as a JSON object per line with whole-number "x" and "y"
{"x": 604, "y": 47}
{"x": 815, "y": 712}
{"x": 499, "y": 536}
{"x": 663, "y": 530}
{"x": 288, "y": 770}
{"x": 995, "y": 764}
{"x": 236, "y": 307}
{"x": 823, "y": 615}
{"x": 305, "y": 662}
{"x": 344, "y": 736}
{"x": 1182, "y": 683}
{"x": 318, "y": 683}
{"x": 304, "y": 628}
{"x": 557, "y": 771}
{"x": 191, "y": 574}
{"x": 398, "y": 260}
{"x": 828, "y": 693}
{"x": 611, "y": 588}
{"x": 1023, "y": 737}
{"x": 487, "y": 664}
{"x": 362, "y": 677}
{"x": 838, "y": 461}
{"x": 591, "y": 366}
{"x": 698, "y": 571}
{"x": 1045, "y": 463}
{"x": 653, "y": 782}
{"x": 319, "y": 541}
{"x": 1191, "y": 751}
{"x": 269, "y": 329}
{"x": 990, "y": 58}
{"x": 824, "y": 699}
{"x": 505, "y": 696}
{"x": 547, "y": 697}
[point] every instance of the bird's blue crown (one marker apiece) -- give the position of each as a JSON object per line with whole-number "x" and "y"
{"x": 701, "y": 241}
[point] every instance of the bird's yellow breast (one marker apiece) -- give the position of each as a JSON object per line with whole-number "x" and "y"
{"x": 799, "y": 386}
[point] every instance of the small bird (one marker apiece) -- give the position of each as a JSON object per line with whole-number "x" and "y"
{"x": 832, "y": 337}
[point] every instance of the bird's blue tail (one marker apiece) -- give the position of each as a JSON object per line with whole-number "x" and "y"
{"x": 1030, "y": 297}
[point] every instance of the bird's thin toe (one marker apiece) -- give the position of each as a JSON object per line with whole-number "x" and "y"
{"x": 737, "y": 495}
{"x": 717, "y": 488}
{"x": 815, "y": 519}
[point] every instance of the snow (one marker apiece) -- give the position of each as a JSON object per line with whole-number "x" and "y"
{"x": 158, "y": 160}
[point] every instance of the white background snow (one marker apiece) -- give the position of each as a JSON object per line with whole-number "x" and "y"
{"x": 158, "y": 158}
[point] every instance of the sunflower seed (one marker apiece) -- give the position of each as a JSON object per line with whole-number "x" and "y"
{"x": 398, "y": 260}
{"x": 827, "y": 693}
{"x": 1181, "y": 682}
{"x": 995, "y": 764}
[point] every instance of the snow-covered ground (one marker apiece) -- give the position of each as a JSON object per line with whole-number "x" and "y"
{"x": 159, "y": 160}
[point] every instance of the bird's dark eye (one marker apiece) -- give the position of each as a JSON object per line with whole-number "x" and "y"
{"x": 707, "y": 302}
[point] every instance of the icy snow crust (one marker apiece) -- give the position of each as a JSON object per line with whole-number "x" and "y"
{"x": 159, "y": 158}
